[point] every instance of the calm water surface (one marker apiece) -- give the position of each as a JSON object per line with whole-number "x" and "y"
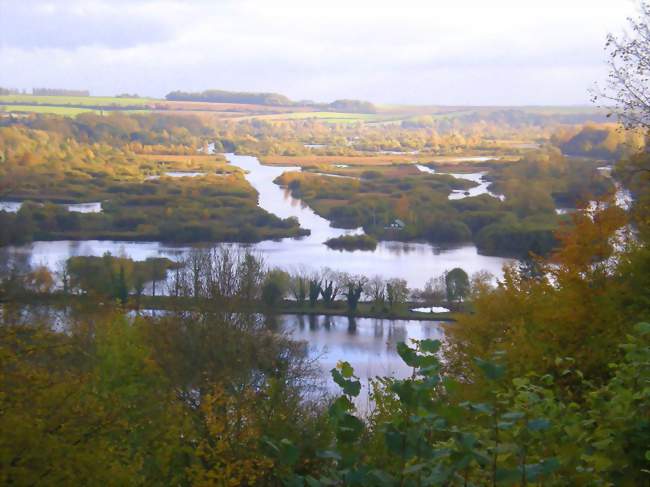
{"x": 415, "y": 262}
{"x": 369, "y": 344}
{"x": 14, "y": 206}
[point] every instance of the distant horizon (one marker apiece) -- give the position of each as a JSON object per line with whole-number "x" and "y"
{"x": 27, "y": 92}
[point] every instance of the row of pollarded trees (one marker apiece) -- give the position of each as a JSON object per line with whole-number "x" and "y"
{"x": 328, "y": 287}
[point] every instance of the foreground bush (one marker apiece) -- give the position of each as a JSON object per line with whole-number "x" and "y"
{"x": 526, "y": 431}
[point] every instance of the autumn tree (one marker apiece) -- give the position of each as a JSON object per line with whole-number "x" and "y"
{"x": 456, "y": 285}
{"x": 397, "y": 292}
{"x": 579, "y": 302}
{"x": 628, "y": 84}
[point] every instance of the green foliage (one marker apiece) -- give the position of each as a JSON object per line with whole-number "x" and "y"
{"x": 220, "y": 96}
{"x": 275, "y": 287}
{"x": 352, "y": 242}
{"x": 519, "y": 432}
{"x": 114, "y": 277}
{"x": 171, "y": 401}
{"x": 456, "y": 285}
{"x": 397, "y": 292}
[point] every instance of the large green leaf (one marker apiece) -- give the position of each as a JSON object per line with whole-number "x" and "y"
{"x": 350, "y": 387}
{"x": 409, "y": 356}
{"x": 492, "y": 370}
{"x": 430, "y": 346}
{"x": 348, "y": 428}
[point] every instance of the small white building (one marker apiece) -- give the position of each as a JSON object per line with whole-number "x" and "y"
{"x": 397, "y": 224}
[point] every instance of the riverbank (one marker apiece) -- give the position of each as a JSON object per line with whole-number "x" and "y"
{"x": 171, "y": 303}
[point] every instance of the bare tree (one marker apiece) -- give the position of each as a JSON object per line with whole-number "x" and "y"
{"x": 299, "y": 286}
{"x": 628, "y": 83}
{"x": 434, "y": 291}
{"x": 376, "y": 290}
{"x": 63, "y": 275}
{"x": 196, "y": 265}
{"x": 397, "y": 292}
{"x": 223, "y": 277}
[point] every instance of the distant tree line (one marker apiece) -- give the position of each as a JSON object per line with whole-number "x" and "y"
{"x": 221, "y": 96}
{"x": 271, "y": 99}
{"x": 8, "y": 91}
{"x": 58, "y": 92}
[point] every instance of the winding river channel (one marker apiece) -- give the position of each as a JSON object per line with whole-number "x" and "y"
{"x": 415, "y": 262}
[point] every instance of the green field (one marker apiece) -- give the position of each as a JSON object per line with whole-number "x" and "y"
{"x": 56, "y": 110}
{"x": 107, "y": 101}
{"x": 65, "y": 111}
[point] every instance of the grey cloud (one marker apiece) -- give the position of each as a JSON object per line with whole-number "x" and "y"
{"x": 426, "y": 55}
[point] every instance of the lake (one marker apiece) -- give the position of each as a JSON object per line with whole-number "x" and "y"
{"x": 415, "y": 262}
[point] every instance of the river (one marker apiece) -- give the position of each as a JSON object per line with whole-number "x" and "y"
{"x": 415, "y": 262}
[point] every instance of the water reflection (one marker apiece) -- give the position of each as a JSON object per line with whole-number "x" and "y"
{"x": 14, "y": 206}
{"x": 369, "y": 344}
{"x": 415, "y": 262}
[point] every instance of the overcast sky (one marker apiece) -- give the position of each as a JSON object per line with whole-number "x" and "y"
{"x": 400, "y": 51}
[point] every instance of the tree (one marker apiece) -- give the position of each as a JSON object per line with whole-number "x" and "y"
{"x": 314, "y": 290}
{"x": 299, "y": 285}
{"x": 377, "y": 291}
{"x": 329, "y": 292}
{"x": 590, "y": 291}
{"x": 196, "y": 265}
{"x": 628, "y": 84}
{"x": 154, "y": 269}
{"x": 434, "y": 291}
{"x": 457, "y": 285}
{"x": 274, "y": 287}
{"x": 355, "y": 288}
{"x": 250, "y": 276}
{"x": 397, "y": 292}
{"x": 121, "y": 287}
{"x": 40, "y": 280}
{"x": 64, "y": 276}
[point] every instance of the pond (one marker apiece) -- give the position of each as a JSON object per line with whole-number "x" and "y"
{"x": 415, "y": 262}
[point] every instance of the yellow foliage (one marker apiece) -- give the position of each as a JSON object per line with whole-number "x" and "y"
{"x": 569, "y": 309}
{"x": 229, "y": 454}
